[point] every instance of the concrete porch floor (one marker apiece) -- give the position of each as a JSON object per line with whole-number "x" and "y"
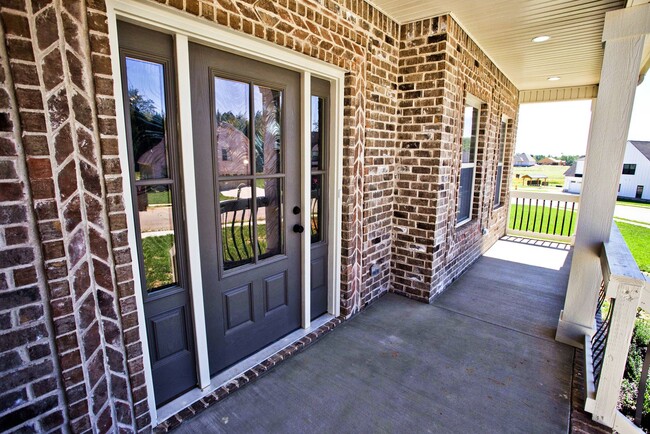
{"x": 480, "y": 359}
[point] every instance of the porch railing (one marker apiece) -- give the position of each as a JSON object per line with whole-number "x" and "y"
{"x": 550, "y": 216}
{"x": 625, "y": 289}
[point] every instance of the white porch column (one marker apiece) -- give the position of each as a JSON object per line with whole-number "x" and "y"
{"x": 624, "y": 35}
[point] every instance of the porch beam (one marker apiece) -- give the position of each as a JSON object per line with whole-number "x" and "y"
{"x": 571, "y": 93}
{"x": 604, "y": 159}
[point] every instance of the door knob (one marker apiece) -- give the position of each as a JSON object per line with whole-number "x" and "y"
{"x": 299, "y": 229}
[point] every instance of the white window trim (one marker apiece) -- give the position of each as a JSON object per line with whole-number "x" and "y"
{"x": 472, "y": 101}
{"x": 186, "y": 28}
{"x": 501, "y": 158}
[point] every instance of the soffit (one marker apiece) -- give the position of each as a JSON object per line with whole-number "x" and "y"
{"x": 504, "y": 29}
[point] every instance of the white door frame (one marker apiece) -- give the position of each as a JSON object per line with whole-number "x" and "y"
{"x": 186, "y": 28}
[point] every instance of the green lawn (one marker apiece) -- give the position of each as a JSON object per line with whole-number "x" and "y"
{"x": 635, "y": 204}
{"x": 638, "y": 241}
{"x": 157, "y": 261}
{"x": 540, "y": 221}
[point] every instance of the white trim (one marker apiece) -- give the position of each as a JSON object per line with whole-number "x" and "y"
{"x": 186, "y": 28}
{"x": 335, "y": 178}
{"x": 191, "y": 214}
{"x": 305, "y": 196}
{"x": 123, "y": 151}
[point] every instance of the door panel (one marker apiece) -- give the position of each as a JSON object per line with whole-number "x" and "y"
{"x": 148, "y": 91}
{"x": 245, "y": 118}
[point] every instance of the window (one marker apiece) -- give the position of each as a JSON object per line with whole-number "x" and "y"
{"x": 629, "y": 169}
{"x": 500, "y": 158}
{"x": 152, "y": 141}
{"x": 318, "y": 173}
{"x": 468, "y": 160}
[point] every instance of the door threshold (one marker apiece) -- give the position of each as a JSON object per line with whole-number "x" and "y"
{"x": 183, "y": 402}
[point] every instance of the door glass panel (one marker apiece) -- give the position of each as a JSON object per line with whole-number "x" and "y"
{"x": 317, "y": 106}
{"x": 470, "y": 121}
{"x": 236, "y": 223}
{"x": 232, "y": 124}
{"x": 270, "y": 227}
{"x": 315, "y": 211}
{"x": 146, "y": 93}
{"x": 268, "y": 134}
{"x": 157, "y": 234}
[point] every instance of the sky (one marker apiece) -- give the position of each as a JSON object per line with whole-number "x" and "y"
{"x": 558, "y": 128}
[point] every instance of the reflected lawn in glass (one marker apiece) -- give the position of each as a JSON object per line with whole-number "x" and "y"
{"x": 158, "y": 261}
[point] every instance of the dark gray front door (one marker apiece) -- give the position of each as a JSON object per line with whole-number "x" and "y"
{"x": 246, "y": 118}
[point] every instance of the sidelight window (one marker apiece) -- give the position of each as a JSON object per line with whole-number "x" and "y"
{"x": 152, "y": 142}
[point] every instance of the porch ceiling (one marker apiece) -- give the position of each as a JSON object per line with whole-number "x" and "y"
{"x": 504, "y": 29}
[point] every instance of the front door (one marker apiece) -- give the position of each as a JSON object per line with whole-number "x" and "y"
{"x": 639, "y": 191}
{"x": 246, "y": 120}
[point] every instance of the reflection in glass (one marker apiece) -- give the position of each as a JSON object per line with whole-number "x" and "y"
{"x": 465, "y": 194}
{"x": 145, "y": 81}
{"x": 232, "y": 124}
{"x": 157, "y": 234}
{"x": 317, "y": 114}
{"x": 267, "y": 130}
{"x": 236, "y": 223}
{"x": 470, "y": 121}
{"x": 269, "y": 217}
{"x": 502, "y": 141}
{"x": 316, "y": 214}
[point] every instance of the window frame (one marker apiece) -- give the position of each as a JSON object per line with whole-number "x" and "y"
{"x": 476, "y": 104}
{"x": 173, "y": 179}
{"x": 629, "y": 169}
{"x": 502, "y": 141}
{"x": 324, "y": 164}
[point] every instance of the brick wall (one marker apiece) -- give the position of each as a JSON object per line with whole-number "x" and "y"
{"x": 61, "y": 120}
{"x": 438, "y": 66}
{"x": 29, "y": 380}
{"x": 64, "y": 208}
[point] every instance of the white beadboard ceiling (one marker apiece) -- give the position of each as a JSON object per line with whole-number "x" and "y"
{"x": 504, "y": 29}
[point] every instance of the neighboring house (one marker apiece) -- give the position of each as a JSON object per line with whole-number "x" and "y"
{"x": 549, "y": 161}
{"x": 635, "y": 173}
{"x": 534, "y": 179}
{"x": 573, "y": 177}
{"x": 635, "y": 176}
{"x": 524, "y": 160}
{"x": 106, "y": 328}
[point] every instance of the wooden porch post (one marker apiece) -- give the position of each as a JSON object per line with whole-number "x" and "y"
{"x": 624, "y": 35}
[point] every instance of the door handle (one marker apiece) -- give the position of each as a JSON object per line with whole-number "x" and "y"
{"x": 299, "y": 229}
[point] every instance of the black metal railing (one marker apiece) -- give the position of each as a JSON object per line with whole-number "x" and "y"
{"x": 552, "y": 215}
{"x": 599, "y": 339}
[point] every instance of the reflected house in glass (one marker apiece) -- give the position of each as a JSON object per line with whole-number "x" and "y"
{"x": 153, "y": 163}
{"x": 232, "y": 148}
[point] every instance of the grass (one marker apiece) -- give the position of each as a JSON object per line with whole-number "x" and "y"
{"x": 555, "y": 175}
{"x": 538, "y": 222}
{"x": 158, "y": 198}
{"x": 638, "y": 241}
{"x": 634, "y": 204}
{"x": 158, "y": 268}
